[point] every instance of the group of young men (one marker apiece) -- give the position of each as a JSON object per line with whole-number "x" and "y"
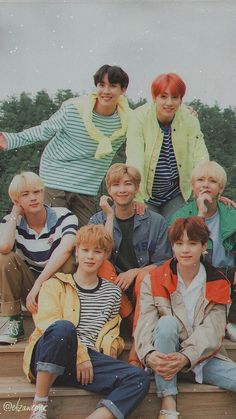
{"x": 77, "y": 297}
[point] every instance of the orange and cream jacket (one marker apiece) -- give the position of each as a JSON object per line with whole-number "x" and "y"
{"x": 160, "y": 296}
{"x": 58, "y": 300}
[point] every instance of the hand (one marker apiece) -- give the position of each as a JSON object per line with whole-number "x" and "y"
{"x": 166, "y": 365}
{"x": 113, "y": 352}
{"x": 3, "y": 142}
{"x": 202, "y": 201}
{"x": 105, "y": 205}
{"x": 227, "y": 201}
{"x": 139, "y": 207}
{"x": 85, "y": 373}
{"x": 31, "y": 303}
{"x": 125, "y": 279}
{"x": 17, "y": 210}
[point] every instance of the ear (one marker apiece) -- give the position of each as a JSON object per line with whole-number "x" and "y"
{"x": 123, "y": 89}
{"x": 204, "y": 248}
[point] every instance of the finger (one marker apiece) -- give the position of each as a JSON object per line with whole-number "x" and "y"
{"x": 91, "y": 375}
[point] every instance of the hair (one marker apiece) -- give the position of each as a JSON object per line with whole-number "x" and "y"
{"x": 173, "y": 81}
{"x": 114, "y": 73}
{"x": 211, "y": 169}
{"x": 118, "y": 170}
{"x": 195, "y": 228}
{"x": 94, "y": 235}
{"x": 22, "y": 182}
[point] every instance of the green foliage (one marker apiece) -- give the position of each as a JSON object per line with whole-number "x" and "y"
{"x": 16, "y": 114}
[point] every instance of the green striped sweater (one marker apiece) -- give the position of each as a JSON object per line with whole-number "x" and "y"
{"x": 68, "y": 162}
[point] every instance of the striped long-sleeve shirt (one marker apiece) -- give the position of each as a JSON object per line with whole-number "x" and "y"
{"x": 36, "y": 249}
{"x": 97, "y": 307}
{"x": 68, "y": 162}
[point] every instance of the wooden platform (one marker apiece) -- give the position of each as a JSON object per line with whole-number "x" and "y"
{"x": 194, "y": 401}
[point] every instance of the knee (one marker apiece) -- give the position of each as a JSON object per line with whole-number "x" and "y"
{"x": 167, "y": 327}
{"x": 7, "y": 259}
{"x": 63, "y": 329}
{"x": 142, "y": 379}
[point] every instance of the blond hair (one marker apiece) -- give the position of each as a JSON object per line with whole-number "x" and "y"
{"x": 94, "y": 235}
{"x": 22, "y": 182}
{"x": 118, "y": 170}
{"x": 211, "y": 169}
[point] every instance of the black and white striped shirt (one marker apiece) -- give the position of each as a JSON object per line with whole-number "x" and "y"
{"x": 166, "y": 179}
{"x": 36, "y": 249}
{"x": 97, "y": 307}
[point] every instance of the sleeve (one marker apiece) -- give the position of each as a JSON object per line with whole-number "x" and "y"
{"x": 206, "y": 340}
{"x": 97, "y": 218}
{"x": 43, "y": 132}
{"x": 200, "y": 151}
{"x": 147, "y": 320}
{"x": 69, "y": 224}
{"x": 135, "y": 149}
{"x": 162, "y": 250}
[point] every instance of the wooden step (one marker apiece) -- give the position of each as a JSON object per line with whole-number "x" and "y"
{"x": 194, "y": 402}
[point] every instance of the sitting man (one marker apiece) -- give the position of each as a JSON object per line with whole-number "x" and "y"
{"x": 77, "y": 319}
{"x": 35, "y": 242}
{"x": 183, "y": 302}
{"x": 140, "y": 241}
{"x": 208, "y": 181}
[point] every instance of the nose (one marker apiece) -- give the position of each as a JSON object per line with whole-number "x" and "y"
{"x": 168, "y": 100}
{"x": 106, "y": 88}
{"x": 32, "y": 196}
{"x": 90, "y": 254}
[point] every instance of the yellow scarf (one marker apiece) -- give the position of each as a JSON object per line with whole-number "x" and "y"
{"x": 85, "y": 105}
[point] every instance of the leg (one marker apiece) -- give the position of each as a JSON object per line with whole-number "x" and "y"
{"x": 124, "y": 385}
{"x": 83, "y": 206}
{"x": 220, "y": 373}
{"x": 170, "y": 207}
{"x": 166, "y": 340}
{"x": 16, "y": 281}
{"x": 55, "y": 198}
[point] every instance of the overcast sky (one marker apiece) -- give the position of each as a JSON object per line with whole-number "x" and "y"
{"x": 60, "y": 44}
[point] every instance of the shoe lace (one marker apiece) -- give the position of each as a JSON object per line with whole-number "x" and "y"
{"x": 39, "y": 411}
{"x": 13, "y": 327}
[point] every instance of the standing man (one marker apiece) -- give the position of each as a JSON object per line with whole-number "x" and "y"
{"x": 35, "y": 242}
{"x": 85, "y": 134}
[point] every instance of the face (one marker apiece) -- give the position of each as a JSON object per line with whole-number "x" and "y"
{"x": 31, "y": 201}
{"x": 90, "y": 258}
{"x": 206, "y": 184}
{"x": 188, "y": 252}
{"x": 167, "y": 105}
{"x": 108, "y": 93}
{"x": 123, "y": 191}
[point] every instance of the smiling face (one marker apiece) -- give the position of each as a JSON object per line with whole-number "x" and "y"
{"x": 123, "y": 191}
{"x": 31, "y": 200}
{"x": 90, "y": 258}
{"x": 167, "y": 105}
{"x": 107, "y": 96}
{"x": 188, "y": 252}
{"x": 206, "y": 184}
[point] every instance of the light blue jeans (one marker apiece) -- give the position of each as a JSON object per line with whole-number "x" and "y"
{"x": 221, "y": 373}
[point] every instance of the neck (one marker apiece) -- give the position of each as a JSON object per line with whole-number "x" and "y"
{"x": 85, "y": 280}
{"x": 104, "y": 110}
{"x": 36, "y": 221}
{"x": 188, "y": 273}
{"x": 124, "y": 212}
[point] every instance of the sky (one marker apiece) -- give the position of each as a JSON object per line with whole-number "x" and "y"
{"x": 55, "y": 45}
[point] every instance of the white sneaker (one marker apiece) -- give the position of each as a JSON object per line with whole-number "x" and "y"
{"x": 231, "y": 331}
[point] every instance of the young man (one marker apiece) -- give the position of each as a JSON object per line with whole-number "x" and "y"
{"x": 86, "y": 133}
{"x": 77, "y": 318}
{"x": 183, "y": 302}
{"x": 35, "y": 242}
{"x": 208, "y": 181}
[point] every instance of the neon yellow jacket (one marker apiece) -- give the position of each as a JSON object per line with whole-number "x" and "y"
{"x": 144, "y": 141}
{"x": 58, "y": 300}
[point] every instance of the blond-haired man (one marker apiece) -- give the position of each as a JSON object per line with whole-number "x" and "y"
{"x": 35, "y": 242}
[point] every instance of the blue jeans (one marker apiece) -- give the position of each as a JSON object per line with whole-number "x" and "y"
{"x": 221, "y": 373}
{"x": 169, "y": 208}
{"x": 124, "y": 385}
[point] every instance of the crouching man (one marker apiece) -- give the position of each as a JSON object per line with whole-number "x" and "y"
{"x": 183, "y": 317}
{"x": 77, "y": 319}
{"x": 35, "y": 242}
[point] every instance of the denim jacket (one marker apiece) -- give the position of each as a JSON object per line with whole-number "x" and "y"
{"x": 150, "y": 241}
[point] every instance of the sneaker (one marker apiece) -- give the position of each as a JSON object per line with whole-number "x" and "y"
{"x": 14, "y": 331}
{"x": 39, "y": 410}
{"x": 231, "y": 332}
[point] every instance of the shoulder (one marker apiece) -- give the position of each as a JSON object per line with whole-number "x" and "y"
{"x": 61, "y": 213}
{"x": 110, "y": 288}
{"x": 143, "y": 111}
{"x": 155, "y": 217}
{"x": 188, "y": 210}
